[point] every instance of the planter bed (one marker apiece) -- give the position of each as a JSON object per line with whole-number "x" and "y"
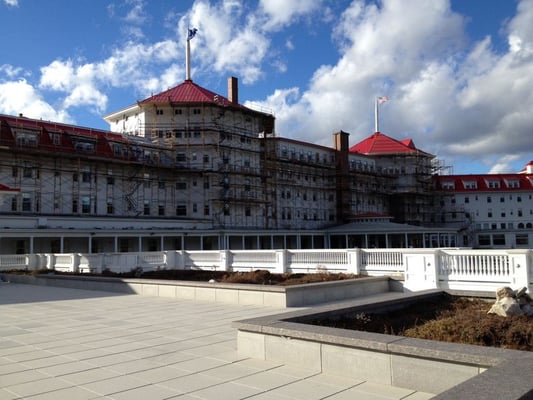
{"x": 451, "y": 371}
{"x": 267, "y": 295}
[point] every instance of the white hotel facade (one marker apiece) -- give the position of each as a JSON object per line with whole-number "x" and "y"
{"x": 192, "y": 169}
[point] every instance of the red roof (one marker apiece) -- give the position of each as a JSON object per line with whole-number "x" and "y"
{"x": 484, "y": 183}
{"x": 4, "y": 188}
{"x": 379, "y": 143}
{"x": 190, "y": 92}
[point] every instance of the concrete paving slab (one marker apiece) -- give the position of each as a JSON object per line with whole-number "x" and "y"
{"x": 68, "y": 344}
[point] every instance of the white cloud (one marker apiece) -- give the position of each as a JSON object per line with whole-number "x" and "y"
{"x": 504, "y": 165}
{"x": 451, "y": 99}
{"x": 134, "y": 65}
{"x": 19, "y": 97}
{"x": 12, "y": 3}
{"x": 279, "y": 13}
{"x": 136, "y": 13}
{"x": 12, "y": 72}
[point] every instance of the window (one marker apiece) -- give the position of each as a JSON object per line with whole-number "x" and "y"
{"x": 448, "y": 185}
{"x": 484, "y": 240}
{"x": 206, "y": 209}
{"x": 161, "y": 184}
{"x": 74, "y": 177}
{"x": 159, "y": 111}
{"x": 110, "y": 206}
{"x": 180, "y": 157}
{"x": 226, "y": 209}
{"x": 489, "y": 214}
{"x": 498, "y": 240}
{"x": 181, "y": 185}
{"x": 470, "y": 184}
{"x": 85, "y": 204}
{"x": 146, "y": 207}
{"x": 489, "y": 199}
{"x": 522, "y": 239}
{"x": 194, "y": 208}
{"x": 519, "y": 199}
{"x": 74, "y": 205}
{"x": 206, "y": 183}
{"x": 86, "y": 176}
{"x": 513, "y": 183}
{"x": 493, "y": 184}
{"x": 181, "y": 209}
{"x": 177, "y": 111}
{"x": 247, "y": 211}
{"x": 56, "y": 138}
{"x": 467, "y": 200}
{"x": 196, "y": 111}
{"x": 161, "y": 210}
{"x": 206, "y": 158}
{"x": 519, "y": 213}
{"x": 84, "y": 147}
{"x": 502, "y": 199}
{"x": 26, "y": 202}
{"x": 110, "y": 180}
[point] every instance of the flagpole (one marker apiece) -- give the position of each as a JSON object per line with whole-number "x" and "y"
{"x": 188, "y": 60}
{"x": 376, "y": 116}
{"x": 190, "y": 34}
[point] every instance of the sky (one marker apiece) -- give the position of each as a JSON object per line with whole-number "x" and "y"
{"x": 458, "y": 74}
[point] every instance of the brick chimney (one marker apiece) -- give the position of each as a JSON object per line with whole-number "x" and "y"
{"x": 233, "y": 89}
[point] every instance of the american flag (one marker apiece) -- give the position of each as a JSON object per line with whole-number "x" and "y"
{"x": 383, "y": 99}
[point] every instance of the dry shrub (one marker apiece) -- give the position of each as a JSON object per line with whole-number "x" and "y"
{"x": 448, "y": 320}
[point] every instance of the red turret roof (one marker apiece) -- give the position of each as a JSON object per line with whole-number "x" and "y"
{"x": 190, "y": 92}
{"x": 378, "y": 143}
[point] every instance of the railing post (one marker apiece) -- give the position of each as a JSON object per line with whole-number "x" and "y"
{"x": 281, "y": 261}
{"x": 354, "y": 261}
{"x": 519, "y": 268}
{"x": 76, "y": 257}
{"x": 421, "y": 270}
{"x": 225, "y": 260}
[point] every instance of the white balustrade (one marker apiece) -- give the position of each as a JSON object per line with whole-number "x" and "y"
{"x": 477, "y": 270}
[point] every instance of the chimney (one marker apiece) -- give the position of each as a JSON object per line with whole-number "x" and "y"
{"x": 233, "y": 89}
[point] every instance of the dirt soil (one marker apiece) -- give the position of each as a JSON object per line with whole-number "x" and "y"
{"x": 258, "y": 277}
{"x": 446, "y": 319}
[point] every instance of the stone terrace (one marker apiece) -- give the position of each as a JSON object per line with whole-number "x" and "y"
{"x": 59, "y": 343}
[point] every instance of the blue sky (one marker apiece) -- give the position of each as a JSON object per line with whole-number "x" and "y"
{"x": 458, "y": 73}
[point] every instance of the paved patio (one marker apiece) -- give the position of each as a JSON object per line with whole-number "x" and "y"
{"x": 58, "y": 343}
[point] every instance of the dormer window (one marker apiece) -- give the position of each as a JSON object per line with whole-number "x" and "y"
{"x": 159, "y": 111}
{"x": 448, "y": 185}
{"x": 513, "y": 183}
{"x": 84, "y": 146}
{"x": 26, "y": 138}
{"x": 493, "y": 184}
{"x": 470, "y": 184}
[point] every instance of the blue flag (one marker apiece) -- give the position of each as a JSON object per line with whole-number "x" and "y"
{"x": 192, "y": 33}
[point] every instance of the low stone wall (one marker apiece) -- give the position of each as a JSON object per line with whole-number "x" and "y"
{"x": 452, "y": 371}
{"x": 266, "y": 295}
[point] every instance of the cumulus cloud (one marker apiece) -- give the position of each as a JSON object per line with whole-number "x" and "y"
{"x": 12, "y": 3}
{"x": 133, "y": 65}
{"x": 242, "y": 47}
{"x": 451, "y": 98}
{"x": 279, "y": 13}
{"x": 21, "y": 97}
{"x": 454, "y": 97}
